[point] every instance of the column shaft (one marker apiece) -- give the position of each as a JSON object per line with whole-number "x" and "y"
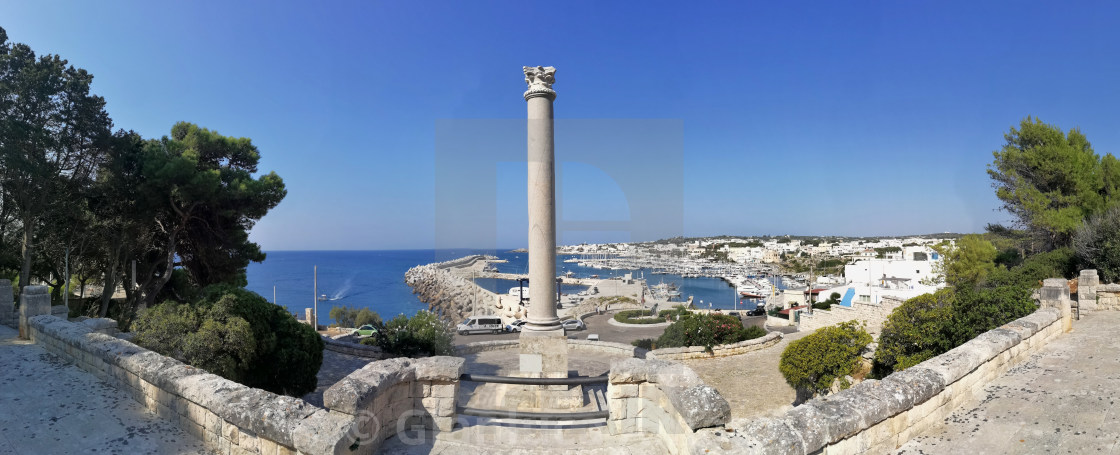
{"x": 542, "y": 217}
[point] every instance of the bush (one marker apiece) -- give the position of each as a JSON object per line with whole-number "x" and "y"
{"x": 931, "y": 324}
{"x": 424, "y": 334}
{"x": 833, "y": 299}
{"x": 238, "y": 335}
{"x": 644, "y": 343}
{"x": 637, "y": 317}
{"x": 1097, "y": 244}
{"x": 705, "y": 330}
{"x": 674, "y": 312}
{"x": 1059, "y": 263}
{"x": 814, "y": 362}
{"x": 915, "y": 331}
{"x": 346, "y": 316}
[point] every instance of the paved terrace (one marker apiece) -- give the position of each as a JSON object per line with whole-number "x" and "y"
{"x": 48, "y": 406}
{"x": 1062, "y": 400}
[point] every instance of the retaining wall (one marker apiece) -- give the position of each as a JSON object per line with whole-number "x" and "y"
{"x": 723, "y": 350}
{"x": 228, "y": 417}
{"x": 873, "y": 314}
{"x": 878, "y": 416}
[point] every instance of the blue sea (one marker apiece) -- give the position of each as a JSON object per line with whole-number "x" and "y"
{"x": 375, "y": 279}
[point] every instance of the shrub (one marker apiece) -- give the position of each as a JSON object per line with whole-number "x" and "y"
{"x": 931, "y": 324}
{"x": 705, "y": 330}
{"x": 814, "y": 362}
{"x": 238, "y": 335}
{"x": 424, "y": 334}
{"x": 1097, "y": 244}
{"x": 833, "y": 299}
{"x": 1059, "y": 263}
{"x": 915, "y": 331}
{"x": 346, "y": 316}
{"x": 674, "y": 312}
{"x": 644, "y": 343}
{"x": 637, "y": 317}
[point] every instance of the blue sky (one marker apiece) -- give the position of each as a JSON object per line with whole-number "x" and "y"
{"x": 853, "y": 118}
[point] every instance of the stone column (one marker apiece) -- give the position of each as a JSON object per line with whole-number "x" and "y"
{"x": 34, "y": 301}
{"x": 7, "y": 305}
{"x": 542, "y": 201}
{"x": 1087, "y": 284}
{"x": 544, "y": 348}
{"x": 1055, "y": 294}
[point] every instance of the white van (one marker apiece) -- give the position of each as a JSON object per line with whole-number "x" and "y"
{"x": 480, "y": 324}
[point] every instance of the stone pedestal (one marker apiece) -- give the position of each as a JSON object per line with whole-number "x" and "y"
{"x": 544, "y": 355}
{"x": 1087, "y": 284}
{"x": 1055, "y": 294}
{"x": 7, "y": 305}
{"x": 35, "y": 301}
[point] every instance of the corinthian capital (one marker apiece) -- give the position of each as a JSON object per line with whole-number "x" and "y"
{"x": 540, "y": 80}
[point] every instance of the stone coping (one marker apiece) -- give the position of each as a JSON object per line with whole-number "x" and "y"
{"x": 700, "y": 405}
{"x": 341, "y": 343}
{"x": 838, "y": 417}
{"x": 723, "y": 350}
{"x": 285, "y": 420}
{"x": 580, "y": 345}
{"x": 358, "y": 390}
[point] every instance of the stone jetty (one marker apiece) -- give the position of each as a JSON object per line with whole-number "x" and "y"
{"x": 444, "y": 288}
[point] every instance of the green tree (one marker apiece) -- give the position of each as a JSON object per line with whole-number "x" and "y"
{"x": 968, "y": 262}
{"x": 199, "y": 186}
{"x": 1050, "y": 181}
{"x": 1097, "y": 244}
{"x": 915, "y": 331}
{"x": 814, "y": 362}
{"x": 424, "y": 334}
{"x": 52, "y": 137}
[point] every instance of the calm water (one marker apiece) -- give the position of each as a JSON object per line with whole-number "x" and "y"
{"x": 375, "y": 279}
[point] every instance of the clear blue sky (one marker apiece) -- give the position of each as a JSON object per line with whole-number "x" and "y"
{"x": 850, "y": 118}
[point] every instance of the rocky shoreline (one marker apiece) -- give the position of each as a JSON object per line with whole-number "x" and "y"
{"x": 452, "y": 295}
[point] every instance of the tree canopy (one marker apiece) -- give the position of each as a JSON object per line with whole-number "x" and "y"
{"x": 1050, "y": 181}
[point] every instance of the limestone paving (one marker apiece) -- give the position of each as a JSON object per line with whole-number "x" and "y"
{"x": 1062, "y": 400}
{"x": 48, "y": 406}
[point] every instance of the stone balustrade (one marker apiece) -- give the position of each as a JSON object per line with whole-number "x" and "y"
{"x": 592, "y": 347}
{"x": 876, "y": 416}
{"x": 723, "y": 350}
{"x": 228, "y": 417}
{"x": 661, "y": 398}
{"x": 389, "y": 396}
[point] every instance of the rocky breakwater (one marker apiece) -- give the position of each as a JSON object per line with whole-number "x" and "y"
{"x": 446, "y": 290}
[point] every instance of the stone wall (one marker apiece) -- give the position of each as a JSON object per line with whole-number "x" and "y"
{"x": 593, "y": 347}
{"x": 344, "y": 345}
{"x": 877, "y": 416}
{"x": 388, "y": 396}
{"x": 662, "y": 398}
{"x": 723, "y": 350}
{"x": 228, "y": 417}
{"x": 454, "y": 296}
{"x": 873, "y": 314}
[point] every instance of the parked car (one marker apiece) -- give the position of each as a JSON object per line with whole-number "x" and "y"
{"x": 515, "y": 326}
{"x": 365, "y": 331}
{"x": 758, "y": 311}
{"x": 480, "y": 324}
{"x": 573, "y": 324}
